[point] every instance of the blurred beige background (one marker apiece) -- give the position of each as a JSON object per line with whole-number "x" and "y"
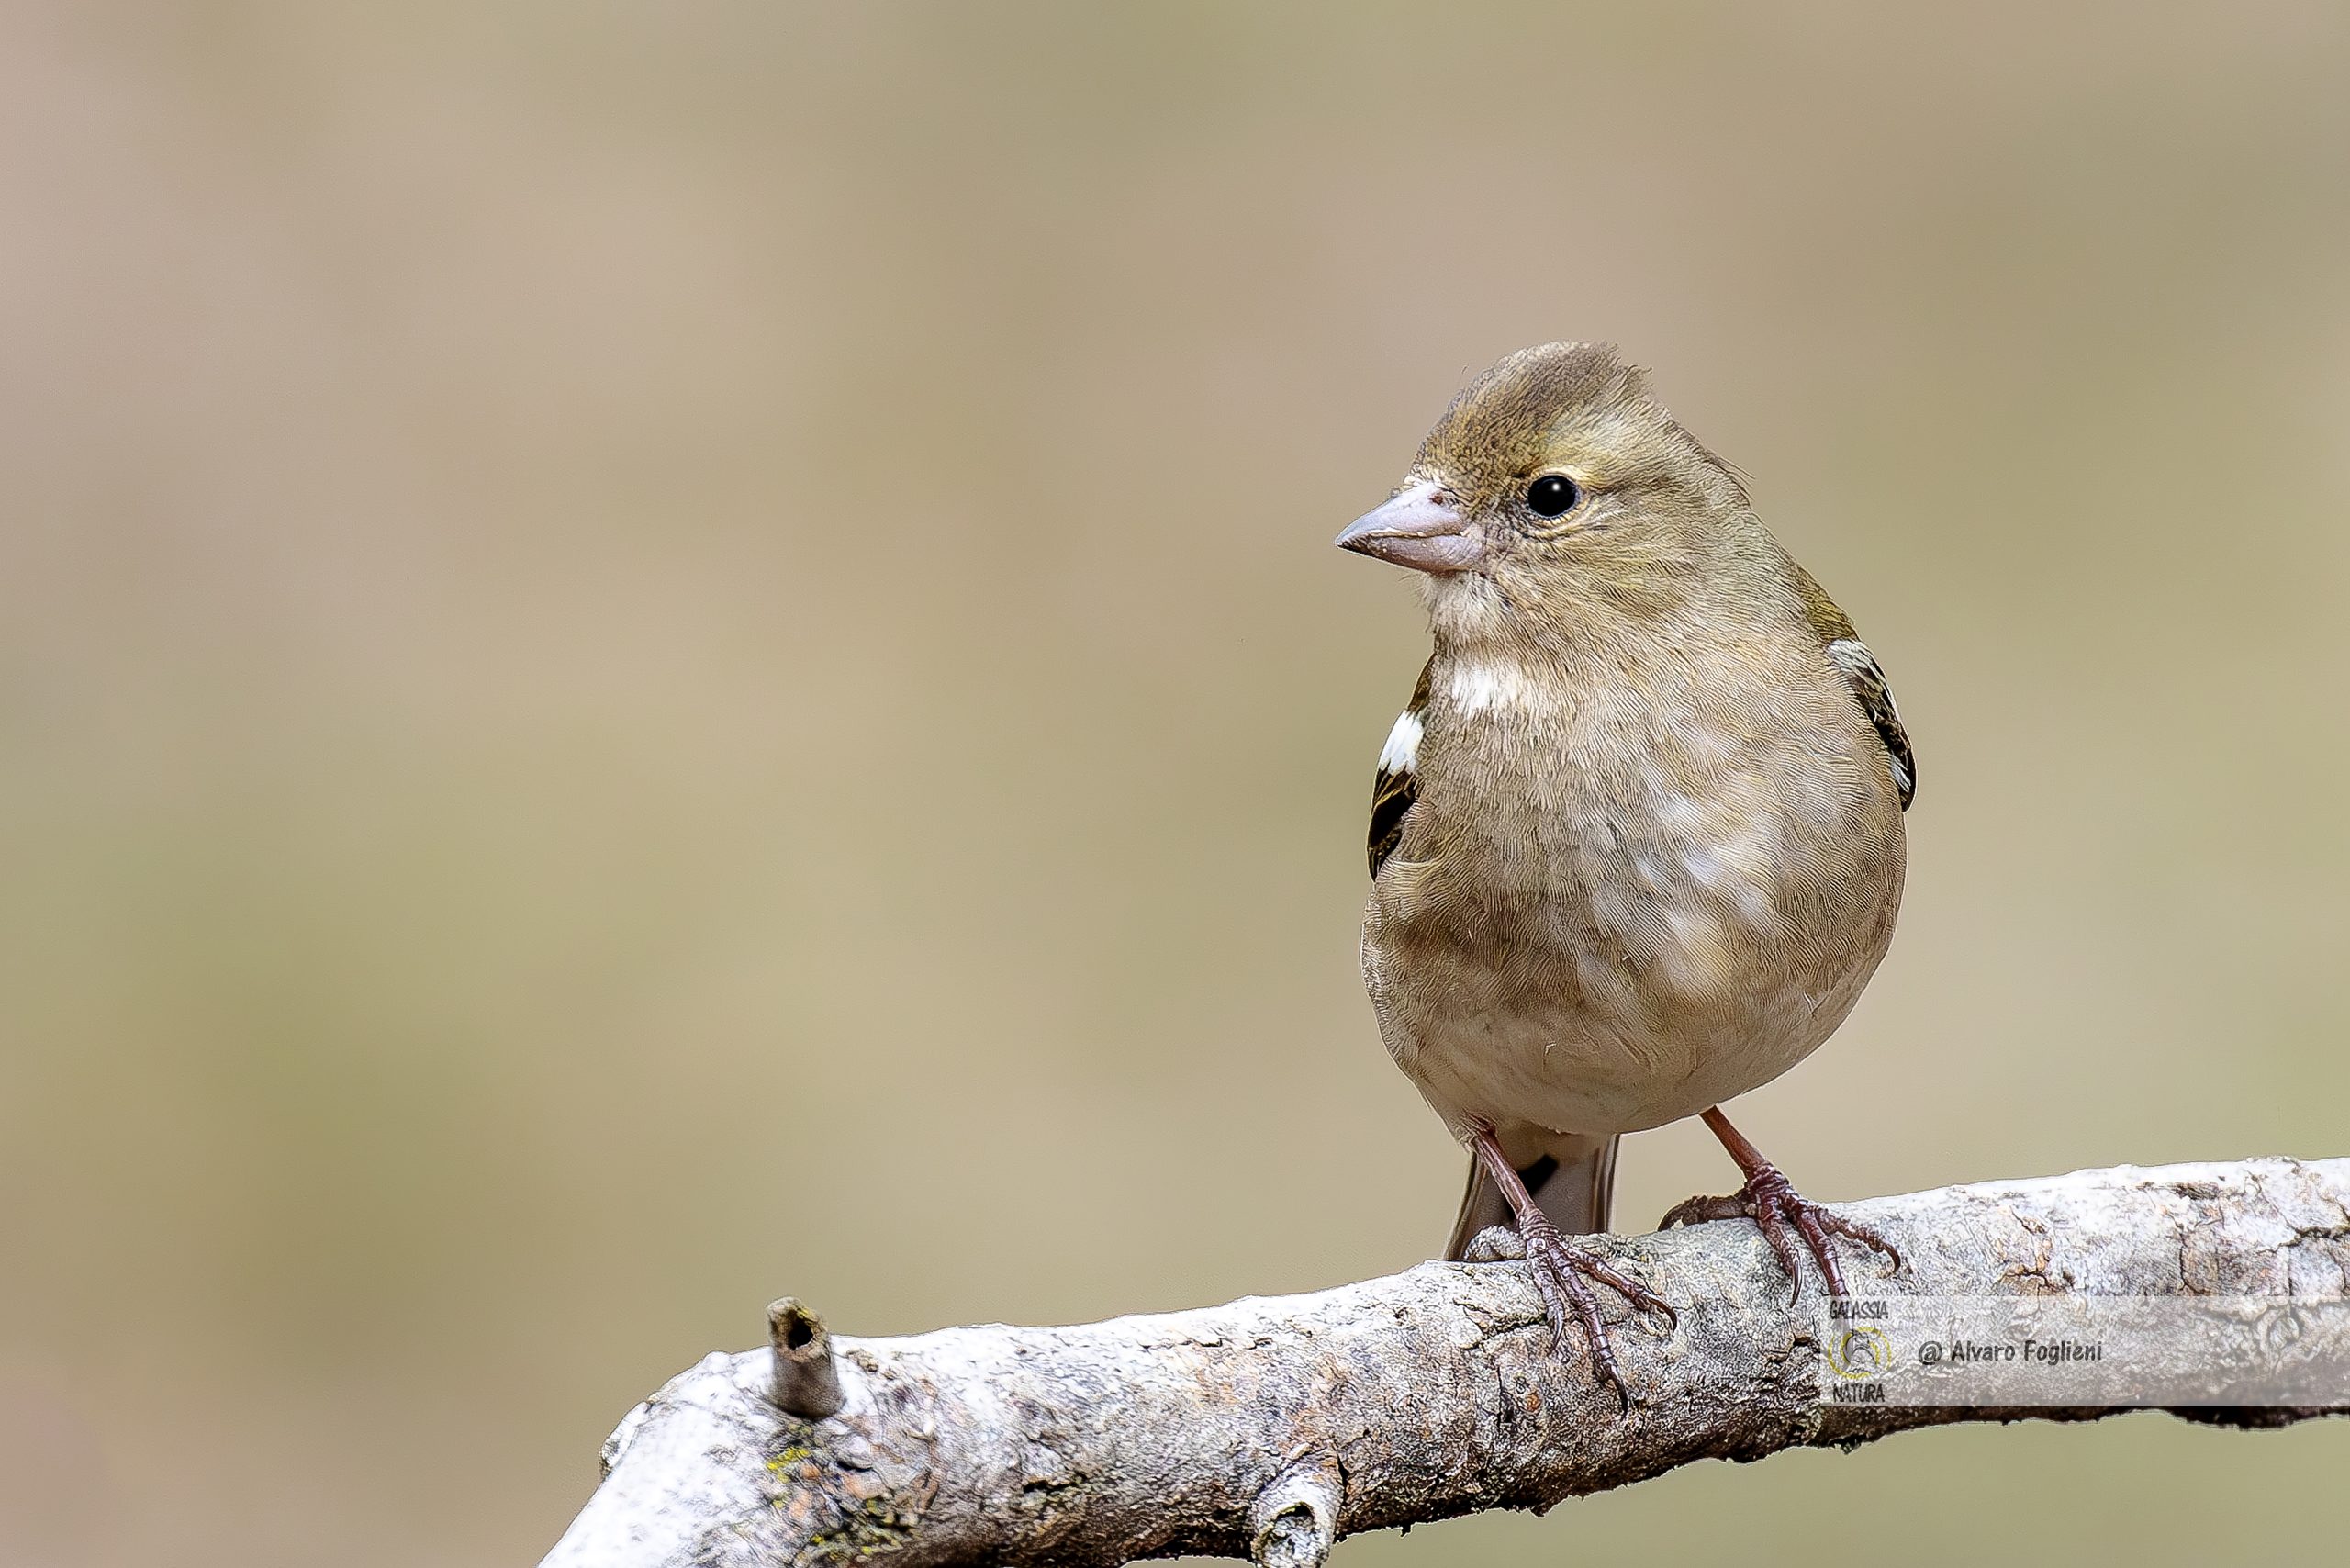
{"x": 659, "y": 654}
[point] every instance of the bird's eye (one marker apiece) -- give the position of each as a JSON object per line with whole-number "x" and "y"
{"x": 1551, "y": 495}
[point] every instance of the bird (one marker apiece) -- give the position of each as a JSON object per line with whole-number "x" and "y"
{"x": 1637, "y": 840}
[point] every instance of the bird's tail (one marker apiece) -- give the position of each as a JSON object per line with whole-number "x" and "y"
{"x": 1571, "y": 1181}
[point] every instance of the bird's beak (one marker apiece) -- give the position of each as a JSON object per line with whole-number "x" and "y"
{"x": 1420, "y": 527}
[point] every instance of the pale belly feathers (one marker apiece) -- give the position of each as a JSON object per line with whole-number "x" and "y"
{"x": 1648, "y": 930}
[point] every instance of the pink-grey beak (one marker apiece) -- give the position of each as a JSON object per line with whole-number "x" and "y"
{"x": 1419, "y": 528}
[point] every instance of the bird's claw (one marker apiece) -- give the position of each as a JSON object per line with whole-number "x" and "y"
{"x": 1781, "y": 1214}
{"x": 1561, "y": 1272}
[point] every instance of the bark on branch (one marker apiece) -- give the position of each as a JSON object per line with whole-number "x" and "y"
{"x": 1270, "y": 1426}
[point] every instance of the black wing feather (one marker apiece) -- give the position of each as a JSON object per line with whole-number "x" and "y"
{"x": 1396, "y": 788}
{"x": 1391, "y": 796}
{"x": 1866, "y": 678}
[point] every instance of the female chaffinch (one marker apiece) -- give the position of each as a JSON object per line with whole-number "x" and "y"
{"x": 1636, "y": 843}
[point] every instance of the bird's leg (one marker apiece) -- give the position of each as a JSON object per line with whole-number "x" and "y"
{"x": 1778, "y": 1211}
{"x": 1559, "y": 1270}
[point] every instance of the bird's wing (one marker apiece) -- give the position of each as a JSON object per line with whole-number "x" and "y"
{"x": 1398, "y": 781}
{"x": 1864, "y": 676}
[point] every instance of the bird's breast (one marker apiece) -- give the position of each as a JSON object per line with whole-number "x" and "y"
{"x": 1646, "y": 901}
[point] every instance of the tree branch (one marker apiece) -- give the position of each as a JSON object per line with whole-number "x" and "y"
{"x": 1270, "y": 1426}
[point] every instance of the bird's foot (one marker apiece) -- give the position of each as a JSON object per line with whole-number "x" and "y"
{"x": 1561, "y": 1274}
{"x": 1781, "y": 1214}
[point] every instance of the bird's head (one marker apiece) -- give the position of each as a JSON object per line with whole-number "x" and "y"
{"x": 1556, "y": 486}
